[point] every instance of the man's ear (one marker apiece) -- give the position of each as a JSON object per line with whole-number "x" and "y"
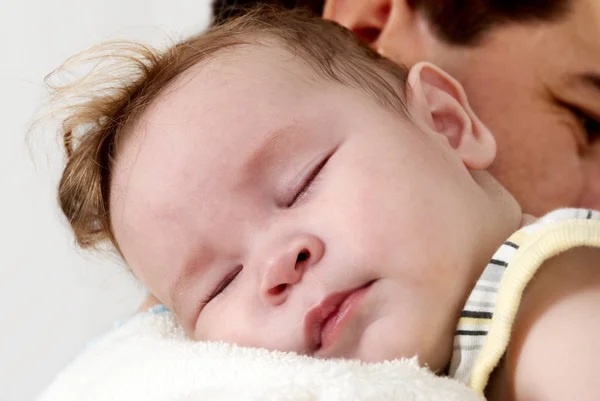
{"x": 391, "y": 27}
{"x": 440, "y": 103}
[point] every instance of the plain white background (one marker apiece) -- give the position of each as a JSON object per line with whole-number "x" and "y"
{"x": 53, "y": 298}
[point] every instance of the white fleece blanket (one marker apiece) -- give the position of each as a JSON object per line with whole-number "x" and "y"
{"x": 149, "y": 358}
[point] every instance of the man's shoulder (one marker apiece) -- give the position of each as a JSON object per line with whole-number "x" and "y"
{"x": 554, "y": 349}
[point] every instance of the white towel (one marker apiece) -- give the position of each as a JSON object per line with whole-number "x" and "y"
{"x": 150, "y": 359}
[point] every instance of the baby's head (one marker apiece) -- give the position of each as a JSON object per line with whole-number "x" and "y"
{"x": 276, "y": 184}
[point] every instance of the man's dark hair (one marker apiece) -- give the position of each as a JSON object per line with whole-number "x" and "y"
{"x": 224, "y": 10}
{"x": 458, "y": 22}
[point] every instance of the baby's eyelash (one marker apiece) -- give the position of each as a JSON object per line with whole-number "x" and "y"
{"x": 309, "y": 180}
{"x": 223, "y": 284}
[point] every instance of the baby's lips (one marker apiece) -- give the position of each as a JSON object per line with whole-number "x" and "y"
{"x": 318, "y": 315}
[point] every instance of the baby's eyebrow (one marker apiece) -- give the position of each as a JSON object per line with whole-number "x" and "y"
{"x": 274, "y": 143}
{"x": 177, "y": 293}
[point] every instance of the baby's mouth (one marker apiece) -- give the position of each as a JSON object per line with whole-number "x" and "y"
{"x": 324, "y": 323}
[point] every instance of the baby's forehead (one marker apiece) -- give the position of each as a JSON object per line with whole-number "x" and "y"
{"x": 234, "y": 88}
{"x": 237, "y": 97}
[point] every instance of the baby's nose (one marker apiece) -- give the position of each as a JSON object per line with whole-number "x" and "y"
{"x": 286, "y": 266}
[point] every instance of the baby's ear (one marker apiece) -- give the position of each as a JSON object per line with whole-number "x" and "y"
{"x": 440, "y": 102}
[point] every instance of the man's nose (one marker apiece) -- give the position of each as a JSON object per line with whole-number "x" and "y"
{"x": 286, "y": 264}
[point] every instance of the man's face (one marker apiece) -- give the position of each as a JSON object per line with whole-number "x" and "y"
{"x": 269, "y": 208}
{"x": 536, "y": 86}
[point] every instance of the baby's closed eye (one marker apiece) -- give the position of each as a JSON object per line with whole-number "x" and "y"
{"x": 308, "y": 181}
{"x": 223, "y": 284}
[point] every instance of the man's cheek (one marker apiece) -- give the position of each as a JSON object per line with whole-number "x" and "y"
{"x": 591, "y": 193}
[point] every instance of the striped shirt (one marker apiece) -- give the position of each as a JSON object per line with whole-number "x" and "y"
{"x": 484, "y": 326}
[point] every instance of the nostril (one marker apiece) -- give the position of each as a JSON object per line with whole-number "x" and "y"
{"x": 278, "y": 289}
{"x": 303, "y": 256}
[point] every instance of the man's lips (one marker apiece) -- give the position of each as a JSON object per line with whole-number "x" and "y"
{"x": 324, "y": 322}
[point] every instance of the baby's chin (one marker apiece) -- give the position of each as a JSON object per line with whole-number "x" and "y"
{"x": 364, "y": 340}
{"x": 382, "y": 341}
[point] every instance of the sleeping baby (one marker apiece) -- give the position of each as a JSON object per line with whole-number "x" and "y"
{"x": 277, "y": 184}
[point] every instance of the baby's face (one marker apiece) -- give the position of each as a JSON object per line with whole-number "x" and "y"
{"x": 269, "y": 208}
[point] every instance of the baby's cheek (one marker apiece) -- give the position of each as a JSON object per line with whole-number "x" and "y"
{"x": 225, "y": 318}
{"x": 247, "y": 325}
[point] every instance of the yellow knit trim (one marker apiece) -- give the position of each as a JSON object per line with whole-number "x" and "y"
{"x": 548, "y": 241}
{"x": 475, "y": 321}
{"x": 518, "y": 238}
